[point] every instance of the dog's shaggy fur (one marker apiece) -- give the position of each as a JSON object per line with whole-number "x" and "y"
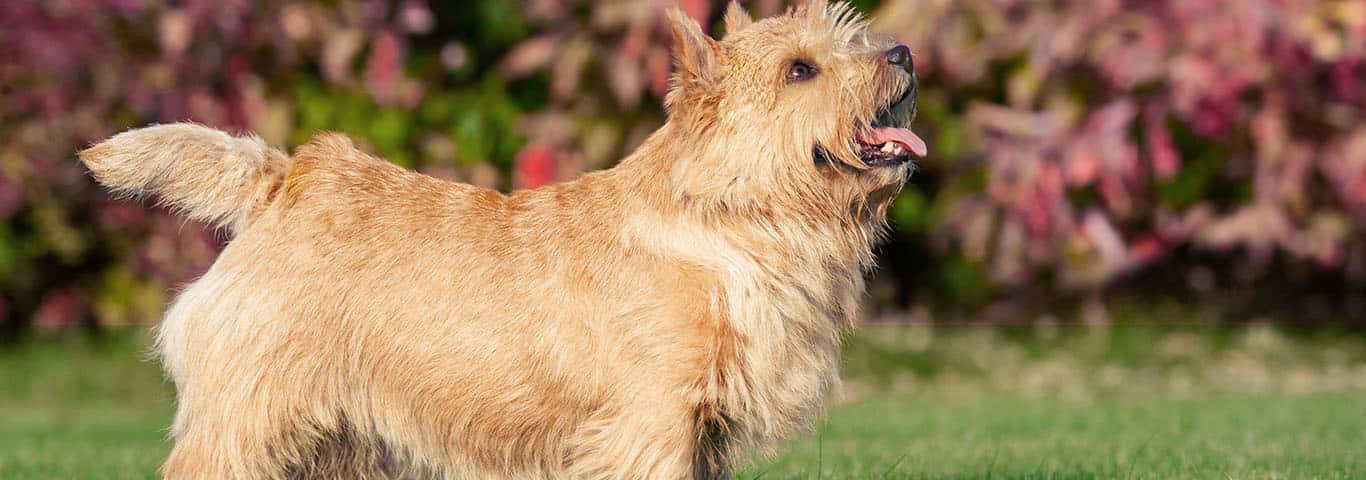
{"x": 657, "y": 320}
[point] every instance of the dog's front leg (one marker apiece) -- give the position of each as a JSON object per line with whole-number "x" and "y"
{"x": 647, "y": 440}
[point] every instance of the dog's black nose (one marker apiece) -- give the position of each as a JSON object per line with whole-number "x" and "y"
{"x": 900, "y": 56}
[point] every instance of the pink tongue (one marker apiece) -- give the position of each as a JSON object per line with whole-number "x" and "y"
{"x": 908, "y": 139}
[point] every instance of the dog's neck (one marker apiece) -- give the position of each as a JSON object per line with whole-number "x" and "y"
{"x": 693, "y": 175}
{"x": 786, "y": 238}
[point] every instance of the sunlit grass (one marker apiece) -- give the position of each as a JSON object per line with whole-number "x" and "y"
{"x": 1242, "y": 437}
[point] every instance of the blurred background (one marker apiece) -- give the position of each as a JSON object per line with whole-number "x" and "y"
{"x": 1185, "y": 177}
{"x": 1085, "y": 153}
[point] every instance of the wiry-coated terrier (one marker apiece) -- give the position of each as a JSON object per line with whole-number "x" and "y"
{"x": 658, "y": 320}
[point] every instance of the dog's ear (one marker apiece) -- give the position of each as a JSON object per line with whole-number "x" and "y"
{"x": 694, "y": 52}
{"x": 736, "y": 17}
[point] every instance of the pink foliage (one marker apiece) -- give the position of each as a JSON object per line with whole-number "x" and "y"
{"x": 1269, "y": 91}
{"x": 1081, "y": 141}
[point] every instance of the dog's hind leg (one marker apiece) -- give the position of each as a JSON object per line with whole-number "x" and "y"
{"x": 240, "y": 443}
{"x": 262, "y": 424}
{"x": 271, "y": 439}
{"x": 216, "y": 445}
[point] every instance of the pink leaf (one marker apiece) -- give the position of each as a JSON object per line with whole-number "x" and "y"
{"x": 1166, "y": 160}
{"x": 59, "y": 309}
{"x": 536, "y": 166}
{"x": 530, "y": 56}
{"x": 385, "y": 67}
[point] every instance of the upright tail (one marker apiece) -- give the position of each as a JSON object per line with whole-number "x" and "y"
{"x": 204, "y": 173}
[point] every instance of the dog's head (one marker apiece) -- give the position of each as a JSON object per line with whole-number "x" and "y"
{"x": 807, "y": 109}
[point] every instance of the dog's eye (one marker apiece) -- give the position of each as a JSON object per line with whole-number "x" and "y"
{"x": 800, "y": 71}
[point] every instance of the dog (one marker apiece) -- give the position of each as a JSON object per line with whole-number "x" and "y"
{"x": 666, "y": 318}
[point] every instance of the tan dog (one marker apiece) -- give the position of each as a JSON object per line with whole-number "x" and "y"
{"x": 657, "y": 320}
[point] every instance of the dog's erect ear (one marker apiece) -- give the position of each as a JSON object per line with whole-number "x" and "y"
{"x": 736, "y": 17}
{"x": 694, "y": 52}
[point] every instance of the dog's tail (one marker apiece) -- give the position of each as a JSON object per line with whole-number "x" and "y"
{"x": 204, "y": 173}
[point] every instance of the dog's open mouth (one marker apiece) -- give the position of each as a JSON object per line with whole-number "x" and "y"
{"x": 881, "y": 145}
{"x": 885, "y": 146}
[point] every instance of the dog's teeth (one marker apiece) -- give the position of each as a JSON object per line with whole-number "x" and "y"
{"x": 898, "y": 150}
{"x": 889, "y": 147}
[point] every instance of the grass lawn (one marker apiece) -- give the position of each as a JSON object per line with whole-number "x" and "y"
{"x": 963, "y": 403}
{"x": 1294, "y": 437}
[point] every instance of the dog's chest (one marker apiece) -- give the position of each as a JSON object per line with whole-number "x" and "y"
{"x": 786, "y": 359}
{"x": 781, "y": 304}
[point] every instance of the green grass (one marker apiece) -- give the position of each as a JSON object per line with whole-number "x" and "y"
{"x": 1309, "y": 436}
{"x": 919, "y": 402}
{"x": 82, "y": 408}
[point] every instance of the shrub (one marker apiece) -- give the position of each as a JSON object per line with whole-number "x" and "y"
{"x": 1074, "y": 144}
